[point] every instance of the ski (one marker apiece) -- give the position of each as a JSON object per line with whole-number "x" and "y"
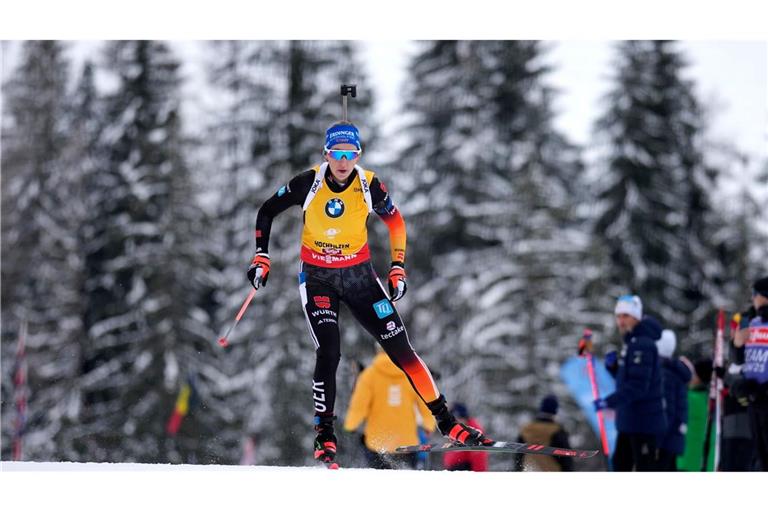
{"x": 500, "y": 447}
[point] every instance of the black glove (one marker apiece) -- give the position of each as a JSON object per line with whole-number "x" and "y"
{"x": 396, "y": 281}
{"x": 743, "y": 390}
{"x": 258, "y": 272}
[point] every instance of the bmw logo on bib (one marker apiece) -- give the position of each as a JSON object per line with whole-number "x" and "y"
{"x": 334, "y": 207}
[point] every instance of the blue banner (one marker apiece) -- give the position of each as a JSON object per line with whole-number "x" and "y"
{"x": 574, "y": 374}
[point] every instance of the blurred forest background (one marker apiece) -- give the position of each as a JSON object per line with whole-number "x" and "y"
{"x": 127, "y": 228}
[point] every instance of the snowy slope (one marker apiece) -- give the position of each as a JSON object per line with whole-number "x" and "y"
{"x": 134, "y": 487}
{"x": 64, "y": 486}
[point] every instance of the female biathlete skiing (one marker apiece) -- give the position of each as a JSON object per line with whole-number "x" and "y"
{"x": 337, "y": 196}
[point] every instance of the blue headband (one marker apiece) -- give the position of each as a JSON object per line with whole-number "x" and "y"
{"x": 342, "y": 134}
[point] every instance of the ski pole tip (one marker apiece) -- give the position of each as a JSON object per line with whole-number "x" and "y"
{"x": 223, "y": 342}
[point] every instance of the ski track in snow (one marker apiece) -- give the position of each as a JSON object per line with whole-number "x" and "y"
{"x": 133, "y": 487}
{"x": 137, "y": 487}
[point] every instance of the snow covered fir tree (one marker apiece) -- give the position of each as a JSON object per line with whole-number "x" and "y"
{"x": 129, "y": 202}
{"x": 493, "y": 192}
{"x": 43, "y": 260}
{"x": 662, "y": 233}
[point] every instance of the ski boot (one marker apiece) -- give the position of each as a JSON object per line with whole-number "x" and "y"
{"x": 325, "y": 441}
{"x": 454, "y": 430}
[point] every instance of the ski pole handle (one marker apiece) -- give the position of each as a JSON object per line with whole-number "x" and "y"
{"x": 735, "y": 322}
{"x": 585, "y": 343}
{"x": 223, "y": 340}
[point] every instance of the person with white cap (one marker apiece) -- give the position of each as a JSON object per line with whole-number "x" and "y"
{"x": 638, "y": 399}
{"x": 676, "y": 375}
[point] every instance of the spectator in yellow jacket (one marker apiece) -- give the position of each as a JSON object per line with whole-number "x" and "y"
{"x": 384, "y": 399}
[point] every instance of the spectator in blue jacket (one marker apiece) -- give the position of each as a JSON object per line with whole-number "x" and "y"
{"x": 638, "y": 398}
{"x": 675, "y": 377}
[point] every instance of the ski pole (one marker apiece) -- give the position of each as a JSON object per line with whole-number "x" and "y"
{"x": 586, "y": 346}
{"x": 350, "y": 90}
{"x": 719, "y": 363}
{"x": 714, "y": 408}
{"x": 223, "y": 340}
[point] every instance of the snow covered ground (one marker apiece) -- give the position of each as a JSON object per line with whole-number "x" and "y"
{"x": 64, "y": 486}
{"x": 134, "y": 487}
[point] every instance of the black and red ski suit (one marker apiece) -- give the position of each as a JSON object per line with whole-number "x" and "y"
{"x": 328, "y": 276}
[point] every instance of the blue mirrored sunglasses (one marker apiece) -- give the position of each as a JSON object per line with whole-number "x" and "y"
{"x": 349, "y": 154}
